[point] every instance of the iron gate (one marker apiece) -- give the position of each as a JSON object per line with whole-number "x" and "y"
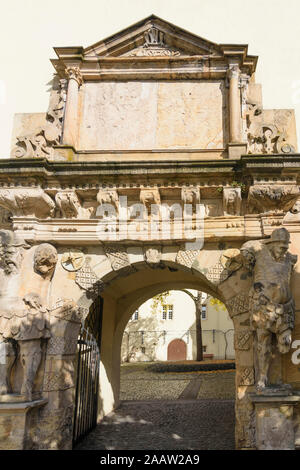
{"x": 87, "y": 386}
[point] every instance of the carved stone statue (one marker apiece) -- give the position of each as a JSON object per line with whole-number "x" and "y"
{"x": 28, "y": 332}
{"x": 11, "y": 256}
{"x": 271, "y": 301}
{"x": 23, "y": 321}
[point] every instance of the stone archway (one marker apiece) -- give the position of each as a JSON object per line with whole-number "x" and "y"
{"x": 232, "y": 291}
{"x": 68, "y": 235}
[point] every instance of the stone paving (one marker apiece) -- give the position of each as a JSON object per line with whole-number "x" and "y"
{"x": 139, "y": 382}
{"x": 165, "y": 425}
{"x": 168, "y": 411}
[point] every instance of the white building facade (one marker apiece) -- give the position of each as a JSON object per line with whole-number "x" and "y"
{"x": 165, "y": 330}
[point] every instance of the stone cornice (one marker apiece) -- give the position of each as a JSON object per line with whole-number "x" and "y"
{"x": 273, "y": 166}
{"x": 124, "y": 68}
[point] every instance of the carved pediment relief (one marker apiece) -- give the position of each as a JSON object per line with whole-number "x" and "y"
{"x": 152, "y": 37}
{"x": 154, "y": 46}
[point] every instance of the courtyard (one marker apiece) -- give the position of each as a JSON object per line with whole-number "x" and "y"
{"x": 165, "y": 409}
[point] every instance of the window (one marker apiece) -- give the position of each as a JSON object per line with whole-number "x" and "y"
{"x": 167, "y": 312}
{"x": 164, "y": 315}
{"x": 135, "y": 316}
{"x": 203, "y": 312}
{"x": 204, "y": 348}
{"x": 143, "y": 350}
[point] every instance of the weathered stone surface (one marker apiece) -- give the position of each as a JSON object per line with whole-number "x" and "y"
{"x": 275, "y": 422}
{"x": 15, "y": 421}
{"x": 161, "y": 115}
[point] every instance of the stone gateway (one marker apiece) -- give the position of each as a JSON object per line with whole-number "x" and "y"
{"x": 155, "y": 167}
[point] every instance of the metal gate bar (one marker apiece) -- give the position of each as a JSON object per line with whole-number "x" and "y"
{"x": 87, "y": 384}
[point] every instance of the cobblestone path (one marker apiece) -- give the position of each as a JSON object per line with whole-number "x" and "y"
{"x": 168, "y": 411}
{"x": 165, "y": 425}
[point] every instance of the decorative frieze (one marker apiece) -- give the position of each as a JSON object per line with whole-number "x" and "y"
{"x": 67, "y": 310}
{"x": 272, "y": 198}
{"x": 27, "y": 202}
{"x": 217, "y": 273}
{"x": 232, "y": 200}
{"x": 264, "y": 137}
{"x": 118, "y": 256}
{"x": 238, "y": 304}
{"x": 242, "y": 339}
{"x": 187, "y": 257}
{"x": 62, "y": 345}
{"x": 88, "y": 281}
{"x": 60, "y": 380}
{"x": 149, "y": 197}
{"x": 108, "y": 196}
{"x": 246, "y": 376}
{"x": 70, "y": 206}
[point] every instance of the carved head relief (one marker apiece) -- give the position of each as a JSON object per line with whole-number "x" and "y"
{"x": 296, "y": 207}
{"x": 278, "y": 243}
{"x": 45, "y": 259}
{"x": 11, "y": 251}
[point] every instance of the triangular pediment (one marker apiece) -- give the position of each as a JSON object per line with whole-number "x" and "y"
{"x": 152, "y": 37}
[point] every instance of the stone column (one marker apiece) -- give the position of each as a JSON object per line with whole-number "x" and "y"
{"x": 71, "y": 112}
{"x": 234, "y": 105}
{"x": 235, "y": 147}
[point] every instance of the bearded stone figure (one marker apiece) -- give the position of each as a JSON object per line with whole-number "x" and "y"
{"x": 24, "y": 321}
{"x": 272, "y": 308}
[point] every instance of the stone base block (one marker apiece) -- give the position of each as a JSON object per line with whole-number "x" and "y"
{"x": 235, "y": 151}
{"x": 274, "y": 421}
{"x": 13, "y": 422}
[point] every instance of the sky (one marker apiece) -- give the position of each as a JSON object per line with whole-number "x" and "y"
{"x": 31, "y": 28}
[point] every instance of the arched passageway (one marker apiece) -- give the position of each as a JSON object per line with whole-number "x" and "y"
{"x": 127, "y": 415}
{"x": 125, "y": 293}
